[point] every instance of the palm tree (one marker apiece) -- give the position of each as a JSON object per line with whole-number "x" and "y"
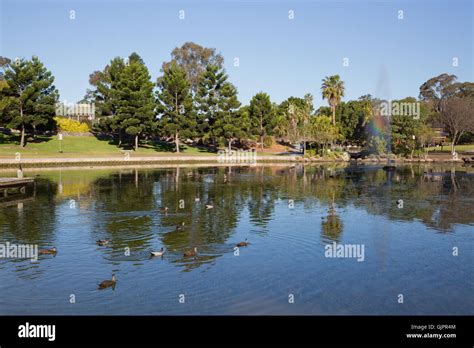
{"x": 333, "y": 90}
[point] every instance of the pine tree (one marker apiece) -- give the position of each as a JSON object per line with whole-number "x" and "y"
{"x": 135, "y": 100}
{"x": 105, "y": 96}
{"x": 30, "y": 93}
{"x": 175, "y": 104}
{"x": 262, "y": 115}
{"x": 217, "y": 105}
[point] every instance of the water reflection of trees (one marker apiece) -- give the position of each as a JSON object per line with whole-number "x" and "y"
{"x": 32, "y": 221}
{"x": 438, "y": 197}
{"x": 332, "y": 226}
{"x": 430, "y": 195}
{"x": 126, "y": 203}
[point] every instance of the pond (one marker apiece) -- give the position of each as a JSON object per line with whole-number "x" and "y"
{"x": 411, "y": 229}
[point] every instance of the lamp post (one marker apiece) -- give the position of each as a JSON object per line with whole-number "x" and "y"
{"x": 414, "y": 145}
{"x": 60, "y": 138}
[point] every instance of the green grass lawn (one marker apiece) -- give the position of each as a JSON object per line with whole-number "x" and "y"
{"x": 83, "y": 146}
{"x": 459, "y": 148}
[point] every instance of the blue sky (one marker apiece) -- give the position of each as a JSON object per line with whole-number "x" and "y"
{"x": 388, "y": 57}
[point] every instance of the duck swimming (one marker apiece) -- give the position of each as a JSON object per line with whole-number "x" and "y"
{"x": 243, "y": 244}
{"x": 108, "y": 283}
{"x": 103, "y": 242}
{"x": 191, "y": 253}
{"x": 164, "y": 210}
{"x": 52, "y": 251}
{"x": 209, "y": 206}
{"x": 161, "y": 252}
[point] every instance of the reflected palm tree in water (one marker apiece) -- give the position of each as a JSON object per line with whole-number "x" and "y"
{"x": 332, "y": 226}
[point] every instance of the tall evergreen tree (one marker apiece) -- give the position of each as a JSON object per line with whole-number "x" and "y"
{"x": 217, "y": 105}
{"x": 104, "y": 95}
{"x": 245, "y": 124}
{"x": 30, "y": 93}
{"x": 135, "y": 101}
{"x": 4, "y": 100}
{"x": 175, "y": 104}
{"x": 262, "y": 115}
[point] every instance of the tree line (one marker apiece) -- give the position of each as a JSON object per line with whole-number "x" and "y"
{"x": 194, "y": 101}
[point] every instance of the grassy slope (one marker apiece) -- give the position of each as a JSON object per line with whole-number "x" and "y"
{"x": 83, "y": 147}
{"x": 92, "y": 147}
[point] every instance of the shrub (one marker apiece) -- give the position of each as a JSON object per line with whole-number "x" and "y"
{"x": 267, "y": 141}
{"x": 71, "y": 126}
{"x": 311, "y": 153}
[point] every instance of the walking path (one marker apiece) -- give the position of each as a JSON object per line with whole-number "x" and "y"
{"x": 122, "y": 160}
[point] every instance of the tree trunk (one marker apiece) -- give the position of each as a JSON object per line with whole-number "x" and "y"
{"x": 453, "y": 143}
{"x": 22, "y": 139}
{"x": 136, "y": 142}
{"x": 176, "y": 136}
{"x": 304, "y": 148}
{"x": 230, "y": 144}
{"x": 176, "y": 139}
{"x": 120, "y": 138}
{"x": 453, "y": 180}
{"x": 333, "y": 115}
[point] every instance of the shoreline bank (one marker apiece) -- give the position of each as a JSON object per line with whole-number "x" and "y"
{"x": 189, "y": 160}
{"x": 132, "y": 161}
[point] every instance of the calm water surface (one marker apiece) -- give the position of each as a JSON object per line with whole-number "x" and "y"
{"x": 288, "y": 215}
